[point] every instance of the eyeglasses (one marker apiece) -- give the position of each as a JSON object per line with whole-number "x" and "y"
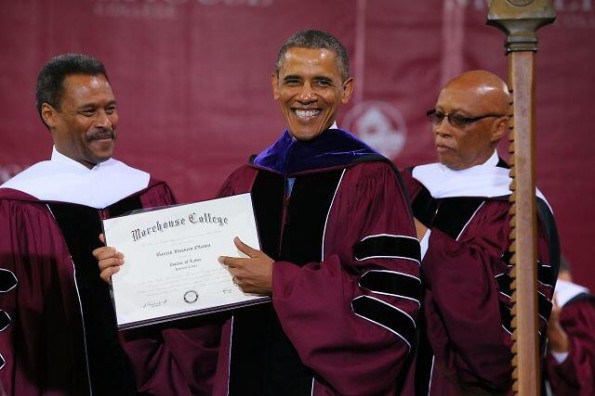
{"x": 456, "y": 120}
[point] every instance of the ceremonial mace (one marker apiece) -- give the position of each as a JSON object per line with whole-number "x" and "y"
{"x": 520, "y": 19}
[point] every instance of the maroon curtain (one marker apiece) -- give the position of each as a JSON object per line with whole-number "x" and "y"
{"x": 192, "y": 80}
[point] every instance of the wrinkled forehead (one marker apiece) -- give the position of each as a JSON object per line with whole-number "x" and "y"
{"x": 471, "y": 98}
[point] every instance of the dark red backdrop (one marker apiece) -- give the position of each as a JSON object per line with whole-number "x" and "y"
{"x": 192, "y": 80}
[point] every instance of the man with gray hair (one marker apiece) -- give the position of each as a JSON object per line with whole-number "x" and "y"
{"x": 339, "y": 256}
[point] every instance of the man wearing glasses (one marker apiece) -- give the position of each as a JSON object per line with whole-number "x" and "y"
{"x": 461, "y": 205}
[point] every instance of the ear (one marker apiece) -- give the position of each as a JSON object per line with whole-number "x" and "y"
{"x": 275, "y": 84}
{"x": 347, "y": 90}
{"x": 501, "y": 128}
{"x": 48, "y": 115}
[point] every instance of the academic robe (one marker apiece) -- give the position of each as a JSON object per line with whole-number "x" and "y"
{"x": 58, "y": 330}
{"x": 575, "y": 375}
{"x": 333, "y": 215}
{"x": 465, "y": 340}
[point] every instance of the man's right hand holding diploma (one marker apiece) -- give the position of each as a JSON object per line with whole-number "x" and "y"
{"x": 109, "y": 260}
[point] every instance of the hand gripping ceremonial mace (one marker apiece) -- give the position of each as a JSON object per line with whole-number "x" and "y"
{"x": 520, "y": 19}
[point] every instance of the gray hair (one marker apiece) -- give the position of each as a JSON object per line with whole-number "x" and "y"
{"x": 318, "y": 40}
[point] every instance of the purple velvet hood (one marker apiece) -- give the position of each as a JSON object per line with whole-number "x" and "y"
{"x": 333, "y": 147}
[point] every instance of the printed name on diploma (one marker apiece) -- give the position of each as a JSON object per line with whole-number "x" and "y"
{"x": 191, "y": 219}
{"x": 182, "y": 250}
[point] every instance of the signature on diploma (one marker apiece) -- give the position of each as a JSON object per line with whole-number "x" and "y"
{"x": 154, "y": 304}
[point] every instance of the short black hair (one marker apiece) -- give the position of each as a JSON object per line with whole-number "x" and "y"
{"x": 50, "y": 81}
{"x": 316, "y": 39}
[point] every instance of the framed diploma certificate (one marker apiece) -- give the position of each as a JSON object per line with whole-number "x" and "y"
{"x": 171, "y": 268}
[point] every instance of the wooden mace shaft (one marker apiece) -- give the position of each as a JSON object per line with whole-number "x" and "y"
{"x": 520, "y": 19}
{"x": 525, "y": 324}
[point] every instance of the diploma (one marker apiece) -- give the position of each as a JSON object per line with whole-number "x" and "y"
{"x": 171, "y": 268}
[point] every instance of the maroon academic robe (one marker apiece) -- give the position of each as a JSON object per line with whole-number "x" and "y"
{"x": 575, "y": 376}
{"x": 45, "y": 344}
{"x": 345, "y": 279}
{"x": 465, "y": 345}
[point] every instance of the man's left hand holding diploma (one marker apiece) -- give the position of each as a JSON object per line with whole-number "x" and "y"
{"x": 253, "y": 274}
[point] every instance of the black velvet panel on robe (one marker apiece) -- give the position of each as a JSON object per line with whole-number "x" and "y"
{"x": 293, "y": 233}
{"x": 110, "y": 371}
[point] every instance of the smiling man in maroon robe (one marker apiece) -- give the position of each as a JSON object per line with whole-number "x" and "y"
{"x": 58, "y": 332}
{"x": 339, "y": 256}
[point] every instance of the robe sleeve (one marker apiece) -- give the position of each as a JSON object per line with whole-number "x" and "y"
{"x": 39, "y": 315}
{"x": 575, "y": 375}
{"x": 352, "y": 317}
{"x": 176, "y": 358}
{"x": 468, "y": 307}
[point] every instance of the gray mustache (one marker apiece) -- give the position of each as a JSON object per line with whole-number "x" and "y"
{"x": 110, "y": 134}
